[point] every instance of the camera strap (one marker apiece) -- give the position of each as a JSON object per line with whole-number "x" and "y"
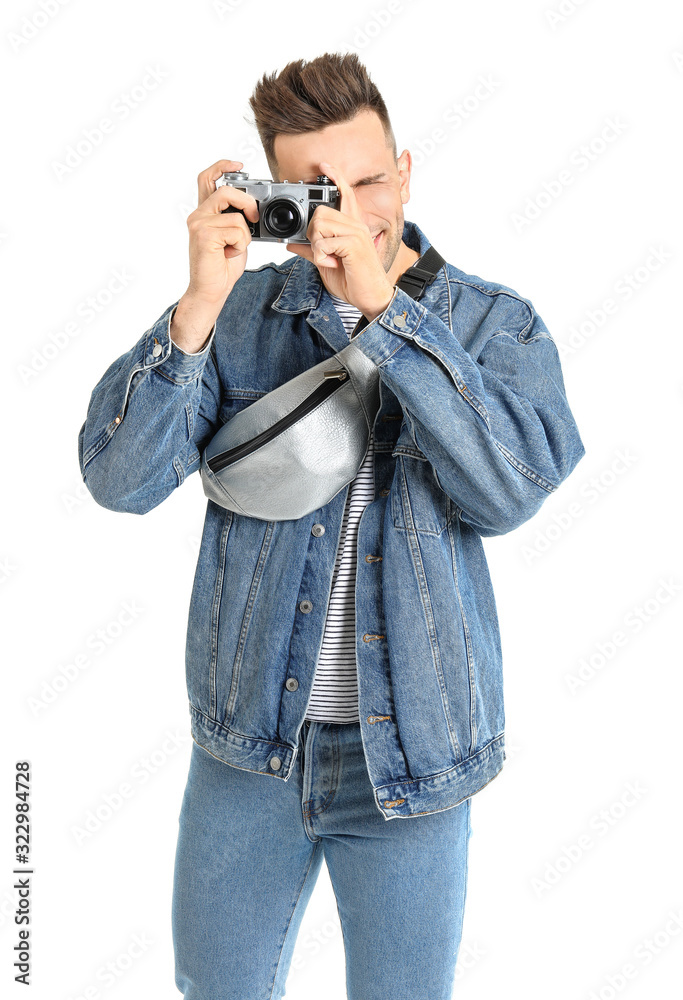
{"x": 414, "y": 281}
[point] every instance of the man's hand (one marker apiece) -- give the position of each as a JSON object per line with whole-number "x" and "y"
{"x": 218, "y": 255}
{"x": 342, "y": 249}
{"x": 218, "y": 240}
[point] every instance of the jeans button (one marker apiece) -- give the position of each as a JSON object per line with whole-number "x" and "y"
{"x": 275, "y": 763}
{"x": 318, "y": 529}
{"x": 291, "y": 683}
{"x": 306, "y": 607}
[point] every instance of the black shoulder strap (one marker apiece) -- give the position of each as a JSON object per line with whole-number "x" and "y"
{"x": 413, "y": 281}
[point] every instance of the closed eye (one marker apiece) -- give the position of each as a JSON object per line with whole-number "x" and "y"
{"x": 375, "y": 179}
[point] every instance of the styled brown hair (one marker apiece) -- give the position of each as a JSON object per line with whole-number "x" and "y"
{"x": 309, "y": 96}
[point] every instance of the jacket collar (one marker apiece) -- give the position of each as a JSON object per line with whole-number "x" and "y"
{"x": 304, "y": 290}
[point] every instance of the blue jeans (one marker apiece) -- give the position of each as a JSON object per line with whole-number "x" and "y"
{"x": 248, "y": 855}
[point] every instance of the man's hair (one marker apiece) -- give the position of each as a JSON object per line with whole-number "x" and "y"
{"x": 309, "y": 96}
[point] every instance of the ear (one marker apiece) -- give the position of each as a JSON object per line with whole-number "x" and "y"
{"x": 404, "y": 166}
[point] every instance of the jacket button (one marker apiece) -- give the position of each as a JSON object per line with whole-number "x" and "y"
{"x": 291, "y": 683}
{"x": 318, "y": 529}
{"x": 399, "y": 321}
{"x": 306, "y": 607}
{"x": 275, "y": 763}
{"x": 156, "y": 350}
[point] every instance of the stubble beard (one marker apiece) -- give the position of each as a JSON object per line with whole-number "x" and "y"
{"x": 392, "y": 245}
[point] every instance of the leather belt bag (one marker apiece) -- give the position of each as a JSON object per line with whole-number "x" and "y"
{"x": 293, "y": 450}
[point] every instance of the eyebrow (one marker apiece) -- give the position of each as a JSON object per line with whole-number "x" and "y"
{"x": 364, "y": 180}
{"x": 369, "y": 180}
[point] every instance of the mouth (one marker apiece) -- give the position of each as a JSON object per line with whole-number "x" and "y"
{"x": 377, "y": 238}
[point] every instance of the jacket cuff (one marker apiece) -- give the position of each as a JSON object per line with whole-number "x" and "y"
{"x": 389, "y": 331}
{"x": 162, "y": 353}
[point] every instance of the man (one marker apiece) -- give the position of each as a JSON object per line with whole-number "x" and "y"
{"x": 354, "y": 654}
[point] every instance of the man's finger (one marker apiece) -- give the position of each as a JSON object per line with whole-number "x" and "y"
{"x": 306, "y": 250}
{"x": 302, "y": 249}
{"x": 206, "y": 181}
{"x": 349, "y": 205}
{"x": 330, "y": 222}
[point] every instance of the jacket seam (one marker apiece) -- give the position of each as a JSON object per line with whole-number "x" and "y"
{"x": 248, "y": 611}
{"x": 468, "y": 640}
{"x": 427, "y": 610}
{"x": 158, "y": 369}
{"x": 486, "y": 749}
{"x": 525, "y": 470}
{"x": 460, "y": 385}
{"x": 111, "y": 428}
{"x": 529, "y": 340}
{"x": 481, "y": 411}
{"x": 491, "y": 292}
{"x": 286, "y": 266}
{"x": 97, "y": 446}
{"x": 180, "y": 472}
{"x": 450, "y": 299}
{"x": 242, "y": 736}
{"x": 215, "y": 608}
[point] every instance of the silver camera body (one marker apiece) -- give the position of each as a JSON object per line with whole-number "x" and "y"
{"x": 285, "y": 209}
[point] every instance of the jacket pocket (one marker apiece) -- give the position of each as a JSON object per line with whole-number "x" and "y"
{"x": 417, "y": 501}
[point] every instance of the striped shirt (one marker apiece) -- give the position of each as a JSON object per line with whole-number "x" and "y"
{"x": 334, "y": 696}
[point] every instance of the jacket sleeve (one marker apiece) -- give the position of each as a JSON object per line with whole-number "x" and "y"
{"x": 148, "y": 419}
{"x": 498, "y": 431}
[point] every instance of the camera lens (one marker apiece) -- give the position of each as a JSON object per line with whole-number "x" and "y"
{"x": 282, "y": 217}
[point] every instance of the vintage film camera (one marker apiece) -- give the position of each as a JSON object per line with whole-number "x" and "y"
{"x": 285, "y": 209}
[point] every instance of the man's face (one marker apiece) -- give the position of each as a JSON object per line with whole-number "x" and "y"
{"x": 358, "y": 149}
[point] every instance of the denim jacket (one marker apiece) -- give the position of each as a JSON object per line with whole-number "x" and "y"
{"x": 474, "y": 431}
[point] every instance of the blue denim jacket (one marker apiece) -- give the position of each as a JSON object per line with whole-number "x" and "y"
{"x": 473, "y": 433}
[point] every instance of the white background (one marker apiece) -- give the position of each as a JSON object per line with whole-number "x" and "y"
{"x": 544, "y": 914}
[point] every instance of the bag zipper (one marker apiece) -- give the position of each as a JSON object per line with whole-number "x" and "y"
{"x": 319, "y": 394}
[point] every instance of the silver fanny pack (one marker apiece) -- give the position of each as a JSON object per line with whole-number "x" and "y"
{"x": 293, "y": 450}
